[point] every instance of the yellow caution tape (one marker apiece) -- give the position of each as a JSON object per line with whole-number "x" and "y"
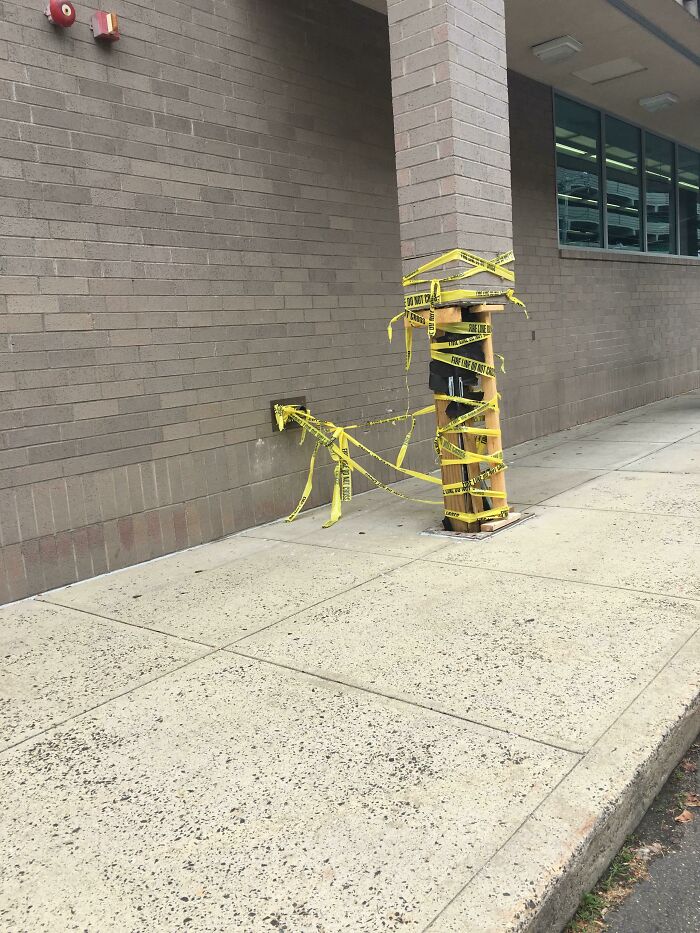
{"x": 443, "y": 299}
{"x": 482, "y": 369}
{"x": 338, "y": 440}
{"x": 437, "y": 296}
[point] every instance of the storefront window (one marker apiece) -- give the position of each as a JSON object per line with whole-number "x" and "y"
{"x": 689, "y": 201}
{"x": 578, "y": 174}
{"x": 660, "y": 199}
{"x": 623, "y": 189}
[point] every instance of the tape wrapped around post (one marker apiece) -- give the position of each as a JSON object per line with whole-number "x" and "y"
{"x": 338, "y": 440}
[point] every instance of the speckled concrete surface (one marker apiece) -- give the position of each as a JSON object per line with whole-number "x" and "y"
{"x": 549, "y": 660}
{"x": 362, "y": 728}
{"x": 218, "y": 606}
{"x": 683, "y": 410}
{"x": 586, "y": 454}
{"x": 156, "y": 574}
{"x": 676, "y": 458}
{"x": 56, "y": 663}
{"x": 529, "y": 485}
{"x": 632, "y": 431}
{"x": 627, "y": 491}
{"x": 636, "y": 551}
{"x": 387, "y": 526}
{"x": 533, "y": 883}
{"x": 237, "y": 796}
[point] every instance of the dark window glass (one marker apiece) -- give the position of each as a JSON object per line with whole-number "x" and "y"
{"x": 578, "y": 174}
{"x": 623, "y": 188}
{"x": 661, "y": 212}
{"x": 689, "y": 201}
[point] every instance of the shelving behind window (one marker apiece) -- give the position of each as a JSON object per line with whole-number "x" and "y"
{"x": 623, "y": 190}
{"x": 689, "y": 201}
{"x": 659, "y": 170}
{"x": 620, "y": 187}
{"x": 578, "y": 174}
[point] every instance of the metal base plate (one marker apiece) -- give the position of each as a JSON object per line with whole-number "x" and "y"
{"x": 439, "y": 531}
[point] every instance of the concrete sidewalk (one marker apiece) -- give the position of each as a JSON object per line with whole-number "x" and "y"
{"x": 363, "y": 728}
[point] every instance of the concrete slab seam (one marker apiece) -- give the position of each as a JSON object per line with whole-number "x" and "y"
{"x": 402, "y": 700}
{"x": 558, "y": 906}
{"x": 539, "y": 576}
{"x": 649, "y": 683}
{"x": 319, "y": 602}
{"x": 107, "y": 700}
{"x": 500, "y": 848}
{"x": 104, "y": 618}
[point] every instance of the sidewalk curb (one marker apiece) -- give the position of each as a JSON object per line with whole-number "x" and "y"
{"x": 534, "y": 883}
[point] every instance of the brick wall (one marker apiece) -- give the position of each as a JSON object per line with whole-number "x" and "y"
{"x": 195, "y": 221}
{"x": 450, "y": 91}
{"x": 205, "y": 218}
{"x": 609, "y": 333}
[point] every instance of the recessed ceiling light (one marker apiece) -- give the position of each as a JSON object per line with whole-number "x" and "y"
{"x": 660, "y": 102}
{"x": 574, "y": 149}
{"x": 608, "y": 71}
{"x": 556, "y": 50}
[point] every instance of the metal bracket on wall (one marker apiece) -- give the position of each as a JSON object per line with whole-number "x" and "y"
{"x": 299, "y": 401}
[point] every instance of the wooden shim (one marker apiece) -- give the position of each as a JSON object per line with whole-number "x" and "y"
{"x": 497, "y": 523}
{"x": 482, "y": 309}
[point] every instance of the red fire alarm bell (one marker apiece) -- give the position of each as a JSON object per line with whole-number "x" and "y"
{"x": 105, "y": 26}
{"x": 60, "y": 13}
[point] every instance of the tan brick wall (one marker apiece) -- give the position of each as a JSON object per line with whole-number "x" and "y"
{"x": 448, "y": 61}
{"x": 195, "y": 221}
{"x": 204, "y": 218}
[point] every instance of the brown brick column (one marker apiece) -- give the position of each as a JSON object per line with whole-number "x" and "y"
{"x": 451, "y": 121}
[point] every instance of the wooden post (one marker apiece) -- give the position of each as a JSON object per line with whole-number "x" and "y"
{"x": 473, "y": 470}
{"x": 454, "y": 473}
{"x": 492, "y": 421}
{"x": 492, "y": 418}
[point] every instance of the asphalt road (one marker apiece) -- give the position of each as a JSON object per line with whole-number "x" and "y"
{"x": 669, "y": 900}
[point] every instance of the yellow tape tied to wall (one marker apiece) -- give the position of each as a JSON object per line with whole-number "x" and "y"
{"x": 338, "y": 440}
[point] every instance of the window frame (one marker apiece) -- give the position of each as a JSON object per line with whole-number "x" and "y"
{"x": 680, "y": 146}
{"x": 673, "y": 197}
{"x": 641, "y": 172}
{"x": 600, "y": 152}
{"x": 610, "y": 252}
